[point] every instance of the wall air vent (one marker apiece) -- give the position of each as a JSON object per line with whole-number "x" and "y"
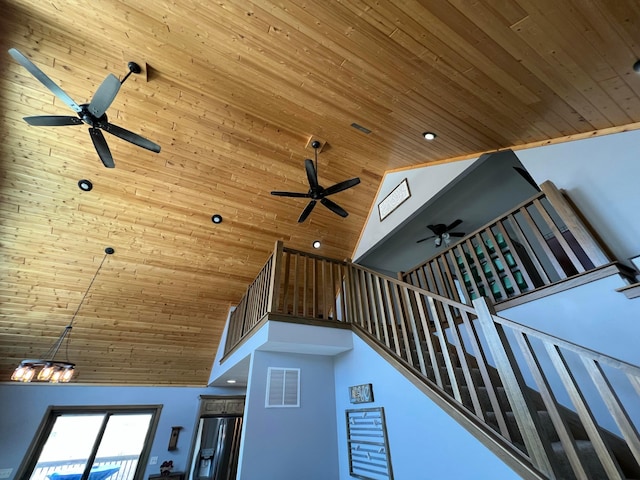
{"x": 283, "y": 387}
{"x": 361, "y": 128}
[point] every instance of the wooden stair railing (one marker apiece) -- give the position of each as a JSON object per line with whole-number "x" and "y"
{"x": 537, "y": 243}
{"x": 558, "y": 410}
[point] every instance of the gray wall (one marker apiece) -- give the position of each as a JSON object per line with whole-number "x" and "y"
{"x": 424, "y": 441}
{"x": 290, "y": 443}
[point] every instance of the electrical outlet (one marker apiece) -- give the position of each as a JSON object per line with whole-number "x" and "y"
{"x": 5, "y": 472}
{"x": 153, "y": 460}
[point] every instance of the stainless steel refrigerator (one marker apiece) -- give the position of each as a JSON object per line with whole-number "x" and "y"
{"x": 217, "y": 447}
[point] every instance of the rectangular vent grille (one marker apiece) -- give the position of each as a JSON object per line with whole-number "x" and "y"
{"x": 361, "y": 128}
{"x": 368, "y": 445}
{"x": 283, "y": 387}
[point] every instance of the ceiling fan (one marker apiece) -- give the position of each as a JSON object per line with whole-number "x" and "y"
{"x": 442, "y": 232}
{"x": 92, "y": 113}
{"x": 316, "y": 191}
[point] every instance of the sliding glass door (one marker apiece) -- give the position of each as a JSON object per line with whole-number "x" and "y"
{"x": 92, "y": 444}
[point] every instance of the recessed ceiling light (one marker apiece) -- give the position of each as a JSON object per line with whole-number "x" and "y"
{"x": 85, "y": 185}
{"x": 429, "y": 135}
{"x": 316, "y": 244}
{"x": 636, "y": 66}
{"x": 231, "y": 380}
{"x": 216, "y": 218}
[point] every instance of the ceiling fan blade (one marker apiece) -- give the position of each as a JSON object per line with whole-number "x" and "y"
{"x": 339, "y": 187}
{"x": 129, "y": 136}
{"x": 454, "y": 224}
{"x": 291, "y": 194}
{"x": 52, "y": 120}
{"x": 334, "y": 207}
{"x": 312, "y": 175}
{"x": 101, "y": 147}
{"x": 427, "y": 238}
{"x": 42, "y": 77}
{"x": 305, "y": 213}
{"x": 105, "y": 95}
{"x": 457, "y": 234}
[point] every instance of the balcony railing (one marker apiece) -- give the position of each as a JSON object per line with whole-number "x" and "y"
{"x": 538, "y": 243}
{"x": 549, "y": 408}
{"x": 126, "y": 467}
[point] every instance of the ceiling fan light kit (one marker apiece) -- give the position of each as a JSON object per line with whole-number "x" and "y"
{"x": 442, "y": 233}
{"x": 93, "y": 113}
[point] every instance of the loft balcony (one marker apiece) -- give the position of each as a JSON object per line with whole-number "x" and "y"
{"x": 548, "y": 407}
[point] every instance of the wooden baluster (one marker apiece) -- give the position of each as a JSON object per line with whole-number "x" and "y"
{"x": 576, "y": 226}
{"x": 524, "y": 241}
{"x": 295, "y": 286}
{"x": 437, "y": 315}
{"x": 384, "y": 321}
{"x": 342, "y": 277}
{"x": 426, "y": 327}
{"x": 590, "y": 424}
{"x": 413, "y": 327}
{"x": 305, "y": 287}
{"x": 364, "y": 301}
{"x": 614, "y": 406}
{"x": 558, "y": 235}
{"x": 515, "y": 387}
{"x": 542, "y": 242}
{"x": 286, "y": 287}
{"x": 450, "y": 259}
{"x": 316, "y": 307}
{"x": 507, "y": 269}
{"x": 448, "y": 277}
{"x": 274, "y": 278}
{"x": 400, "y": 313}
{"x": 458, "y": 344}
{"x": 551, "y": 404}
{"x": 392, "y": 316}
{"x": 373, "y": 305}
{"x": 483, "y": 366}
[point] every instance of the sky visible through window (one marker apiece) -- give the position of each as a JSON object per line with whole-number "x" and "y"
{"x": 73, "y": 436}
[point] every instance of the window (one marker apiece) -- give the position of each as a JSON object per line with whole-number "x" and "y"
{"x": 92, "y": 443}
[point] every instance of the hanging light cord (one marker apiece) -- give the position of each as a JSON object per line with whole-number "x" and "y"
{"x": 86, "y": 292}
{"x": 67, "y": 331}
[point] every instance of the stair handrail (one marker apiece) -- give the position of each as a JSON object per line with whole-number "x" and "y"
{"x": 443, "y": 341}
{"x": 516, "y": 253}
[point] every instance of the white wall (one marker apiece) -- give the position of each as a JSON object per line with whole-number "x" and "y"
{"x": 424, "y": 441}
{"x": 592, "y": 315}
{"x": 424, "y": 184}
{"x": 290, "y": 443}
{"x": 602, "y": 177}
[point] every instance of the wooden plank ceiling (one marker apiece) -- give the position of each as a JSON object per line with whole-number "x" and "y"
{"x": 233, "y": 91}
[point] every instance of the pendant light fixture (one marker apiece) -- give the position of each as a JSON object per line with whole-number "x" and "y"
{"x": 49, "y": 369}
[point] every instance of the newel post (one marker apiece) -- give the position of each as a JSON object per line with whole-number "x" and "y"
{"x": 274, "y": 278}
{"x": 569, "y": 216}
{"x": 515, "y": 387}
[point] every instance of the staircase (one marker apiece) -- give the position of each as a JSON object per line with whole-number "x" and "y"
{"x": 548, "y": 408}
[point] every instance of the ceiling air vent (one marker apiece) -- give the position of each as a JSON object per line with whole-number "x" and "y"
{"x": 361, "y": 128}
{"x": 283, "y": 387}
